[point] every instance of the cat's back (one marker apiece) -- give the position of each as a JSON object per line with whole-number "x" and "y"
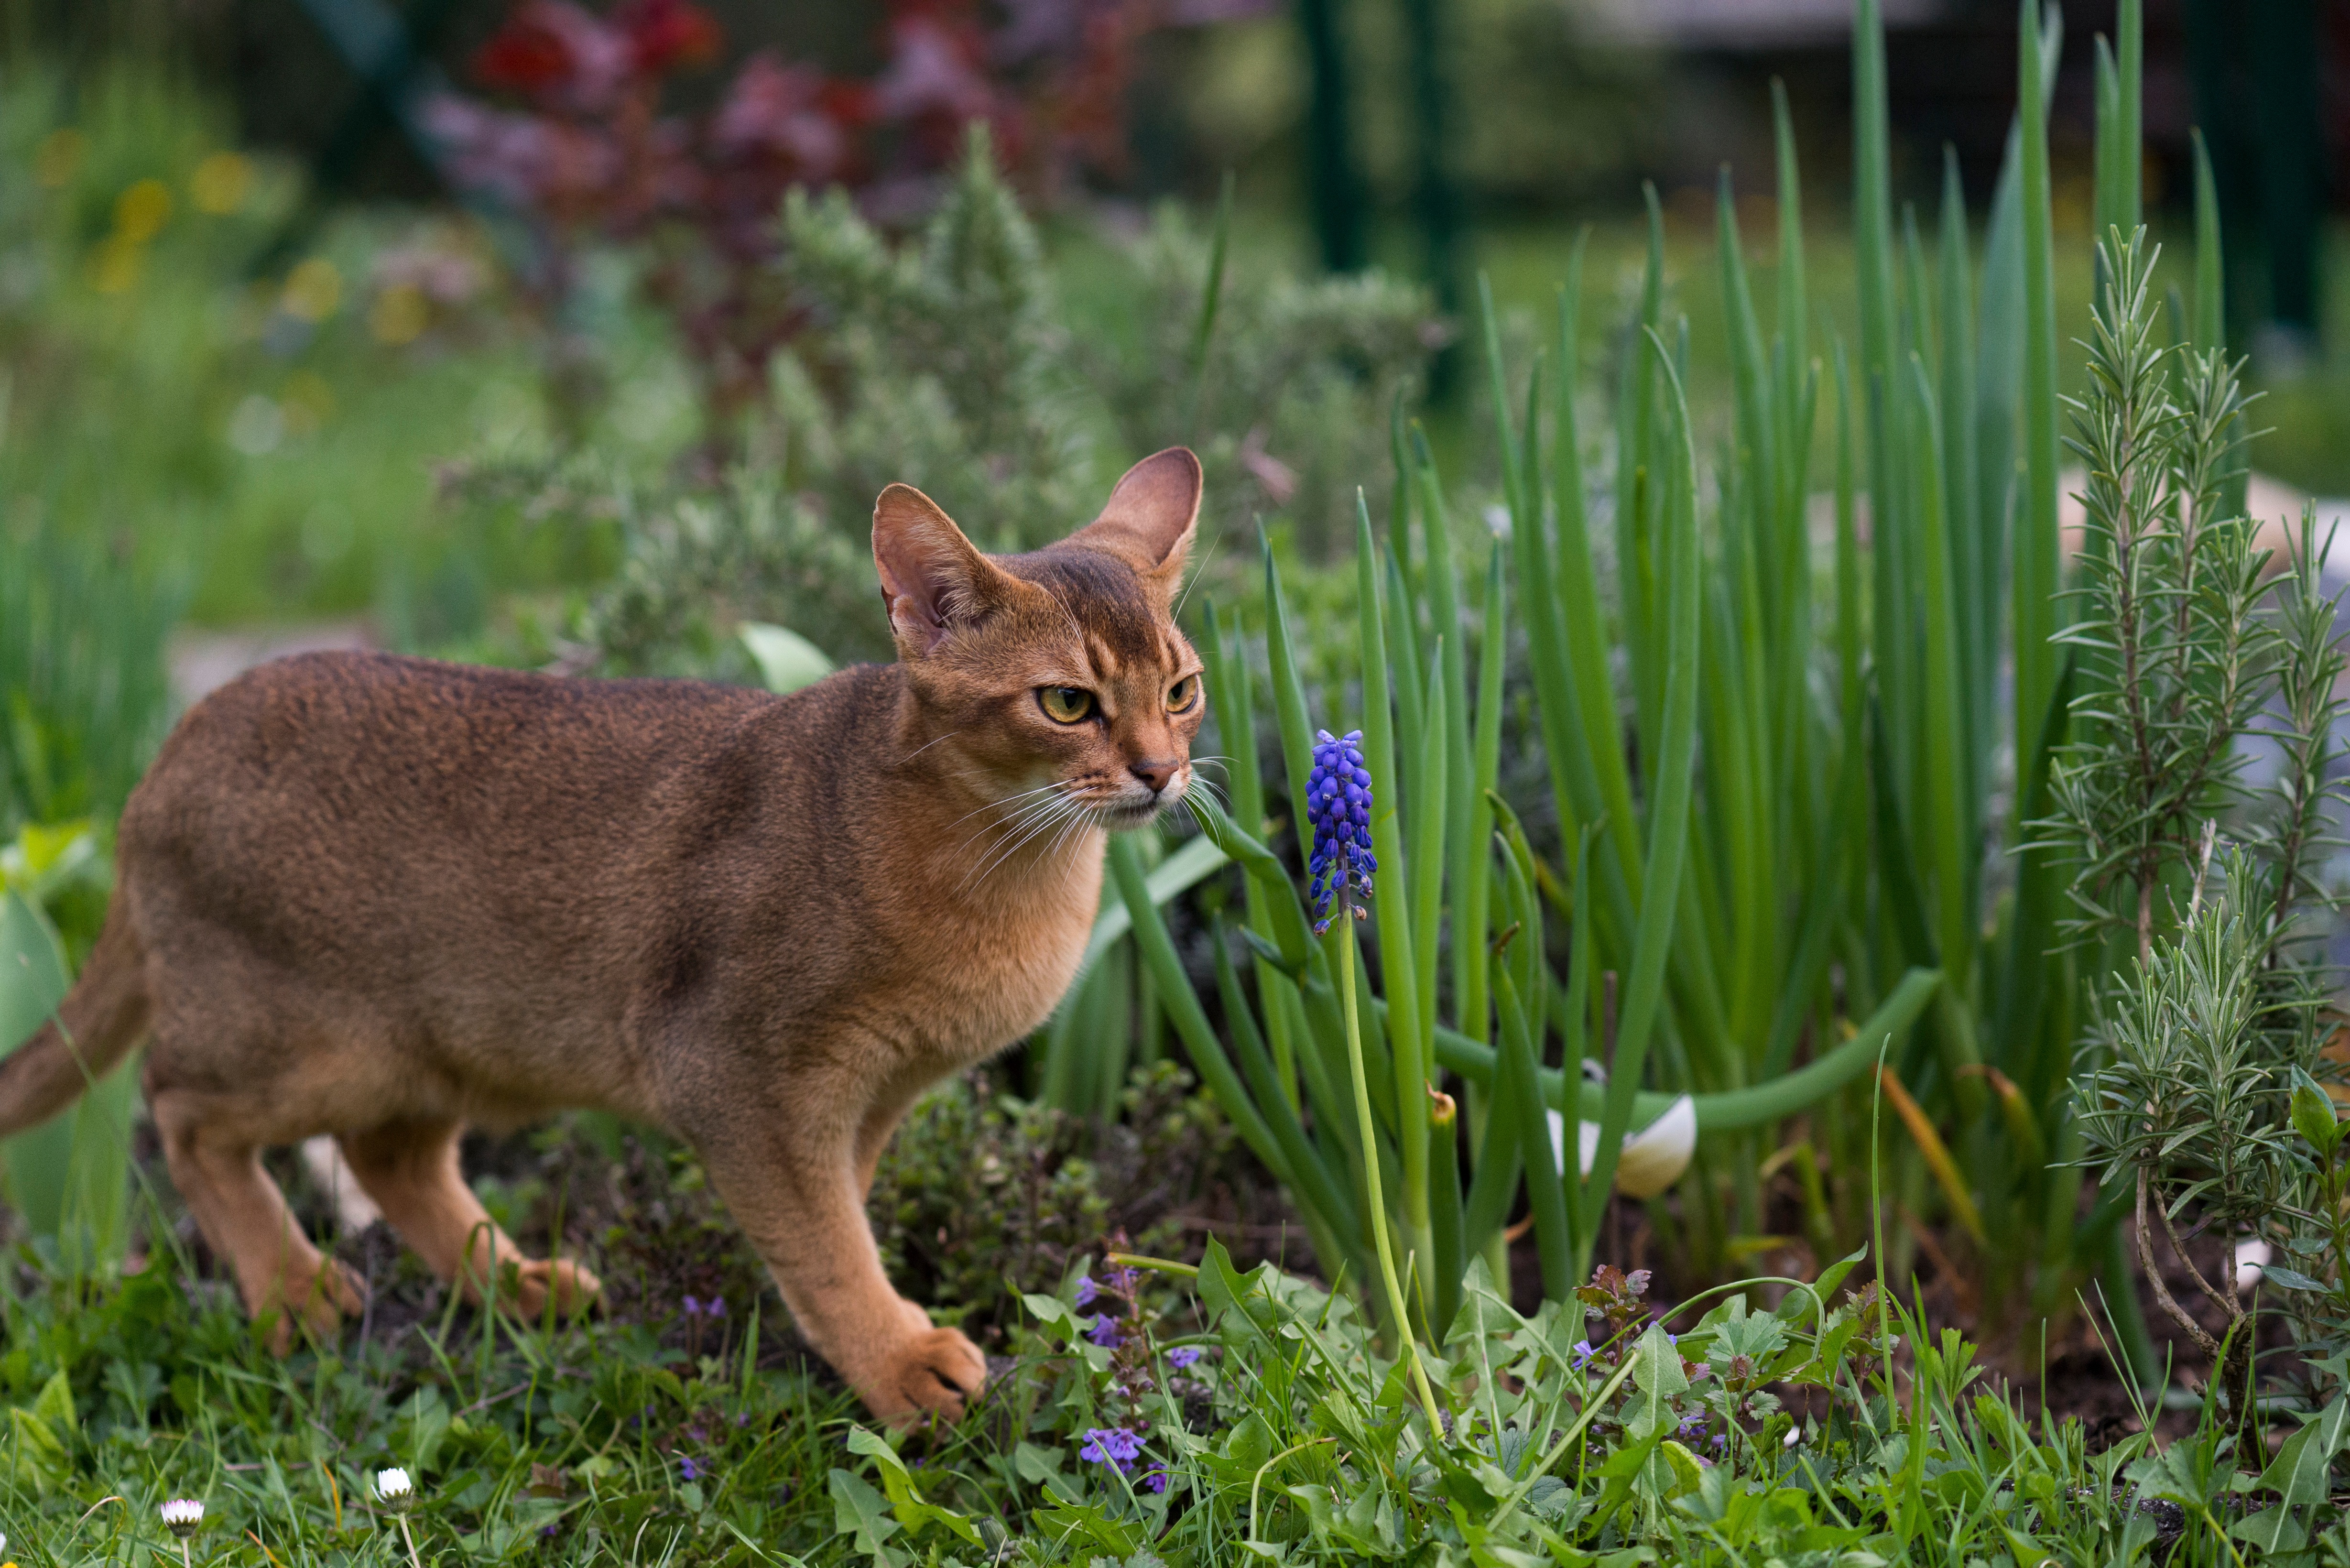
{"x": 349, "y": 738}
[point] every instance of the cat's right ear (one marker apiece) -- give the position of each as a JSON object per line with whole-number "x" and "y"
{"x": 933, "y": 580}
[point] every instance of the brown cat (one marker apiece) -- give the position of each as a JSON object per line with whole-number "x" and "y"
{"x": 383, "y": 898}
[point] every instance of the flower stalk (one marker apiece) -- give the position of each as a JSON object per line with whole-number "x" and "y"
{"x": 1338, "y": 801}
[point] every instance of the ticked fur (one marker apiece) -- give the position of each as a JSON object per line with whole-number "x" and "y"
{"x": 385, "y": 898}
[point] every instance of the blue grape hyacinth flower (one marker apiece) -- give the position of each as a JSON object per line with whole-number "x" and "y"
{"x": 1339, "y": 804}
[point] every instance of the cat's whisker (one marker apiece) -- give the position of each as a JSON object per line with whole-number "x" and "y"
{"x": 1063, "y": 805}
{"x": 1023, "y": 825}
{"x": 1076, "y": 822}
{"x": 926, "y": 745}
{"x": 1018, "y": 819}
{"x": 995, "y": 836}
{"x": 1007, "y": 800}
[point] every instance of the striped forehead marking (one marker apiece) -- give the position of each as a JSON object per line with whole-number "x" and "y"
{"x": 1114, "y": 613}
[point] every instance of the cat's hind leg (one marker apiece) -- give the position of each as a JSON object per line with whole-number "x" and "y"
{"x": 411, "y": 1169}
{"x": 212, "y": 1144}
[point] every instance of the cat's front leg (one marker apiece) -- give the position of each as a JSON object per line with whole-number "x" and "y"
{"x": 792, "y": 1179}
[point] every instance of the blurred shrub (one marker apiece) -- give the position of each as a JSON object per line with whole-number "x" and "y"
{"x": 699, "y": 565}
{"x": 939, "y": 363}
{"x": 1287, "y": 398}
{"x": 589, "y": 156}
{"x": 980, "y": 1195}
{"x": 958, "y": 364}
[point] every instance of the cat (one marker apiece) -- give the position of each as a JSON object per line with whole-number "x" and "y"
{"x": 387, "y": 899}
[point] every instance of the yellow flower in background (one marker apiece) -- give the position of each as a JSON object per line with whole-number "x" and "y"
{"x": 307, "y": 403}
{"x": 313, "y": 290}
{"x": 114, "y": 267}
{"x": 220, "y": 183}
{"x": 59, "y": 154}
{"x": 141, "y": 211}
{"x": 400, "y": 314}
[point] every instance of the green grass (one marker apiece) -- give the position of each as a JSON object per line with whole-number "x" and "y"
{"x": 1289, "y": 1437}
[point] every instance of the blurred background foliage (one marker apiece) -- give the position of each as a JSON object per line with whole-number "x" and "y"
{"x": 581, "y": 340}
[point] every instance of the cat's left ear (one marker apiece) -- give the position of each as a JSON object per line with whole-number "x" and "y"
{"x": 1150, "y": 517}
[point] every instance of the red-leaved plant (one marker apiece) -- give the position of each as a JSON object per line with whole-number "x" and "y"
{"x": 588, "y": 153}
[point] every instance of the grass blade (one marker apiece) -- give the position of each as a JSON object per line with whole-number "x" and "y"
{"x": 1668, "y": 818}
{"x": 2035, "y": 569}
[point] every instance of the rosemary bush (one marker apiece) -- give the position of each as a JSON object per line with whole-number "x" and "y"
{"x": 2208, "y": 1001}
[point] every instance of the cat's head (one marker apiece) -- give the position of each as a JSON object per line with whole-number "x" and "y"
{"x": 1056, "y": 681}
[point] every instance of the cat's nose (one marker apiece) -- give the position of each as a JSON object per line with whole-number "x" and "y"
{"x": 1156, "y": 774}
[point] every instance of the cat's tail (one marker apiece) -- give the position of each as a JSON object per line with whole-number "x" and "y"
{"x": 103, "y": 1015}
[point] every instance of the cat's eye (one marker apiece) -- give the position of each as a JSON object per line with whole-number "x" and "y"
{"x": 1065, "y": 704}
{"x": 1183, "y": 694}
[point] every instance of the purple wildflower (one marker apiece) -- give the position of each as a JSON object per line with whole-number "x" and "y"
{"x": 1582, "y": 1353}
{"x": 1338, "y": 804}
{"x": 717, "y": 1307}
{"x": 693, "y": 1307}
{"x": 686, "y": 1467}
{"x": 1154, "y": 1480}
{"x": 1086, "y": 1290}
{"x": 1103, "y": 1330}
{"x": 1111, "y": 1445}
{"x": 1182, "y": 1356}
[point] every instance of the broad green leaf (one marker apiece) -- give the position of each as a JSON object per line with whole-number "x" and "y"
{"x": 54, "y": 1407}
{"x": 2274, "y": 1530}
{"x": 1072, "y": 1519}
{"x": 2300, "y": 1472}
{"x": 1197, "y": 860}
{"x": 863, "y": 1515}
{"x": 2286, "y": 1279}
{"x": 1658, "y": 1379}
{"x": 38, "y": 1458}
{"x": 786, "y": 661}
{"x": 2314, "y": 1118}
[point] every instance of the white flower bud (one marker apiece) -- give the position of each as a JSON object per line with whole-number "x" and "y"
{"x": 394, "y": 1489}
{"x": 182, "y": 1515}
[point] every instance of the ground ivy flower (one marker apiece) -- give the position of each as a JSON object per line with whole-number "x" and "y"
{"x": 1339, "y": 804}
{"x": 1182, "y": 1356}
{"x": 1086, "y": 1290}
{"x": 1112, "y": 1446}
{"x": 1104, "y": 1332}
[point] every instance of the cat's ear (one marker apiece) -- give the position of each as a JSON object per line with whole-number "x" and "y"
{"x": 1150, "y": 516}
{"x": 933, "y": 580}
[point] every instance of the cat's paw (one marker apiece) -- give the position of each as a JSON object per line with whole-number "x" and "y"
{"x": 931, "y": 1373}
{"x": 528, "y": 1286}
{"x": 320, "y": 1302}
